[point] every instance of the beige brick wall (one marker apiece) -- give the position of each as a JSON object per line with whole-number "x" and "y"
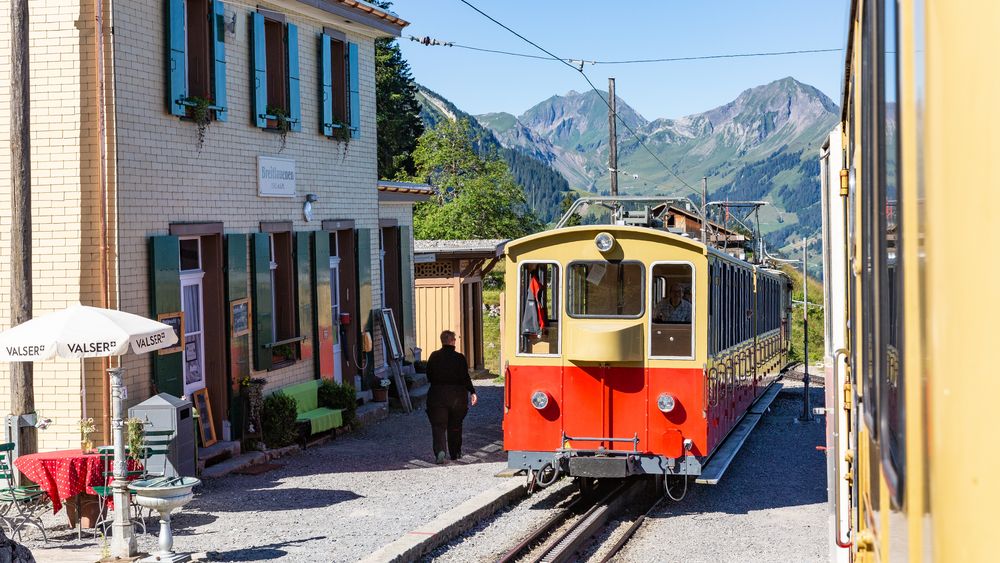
{"x": 160, "y": 175}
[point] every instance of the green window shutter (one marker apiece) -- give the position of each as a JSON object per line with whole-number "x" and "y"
{"x": 261, "y": 306}
{"x": 354, "y": 89}
{"x": 323, "y": 326}
{"x": 239, "y": 347}
{"x": 406, "y": 281}
{"x": 363, "y": 255}
{"x": 177, "y": 71}
{"x": 165, "y": 285}
{"x": 326, "y": 84}
{"x": 294, "y": 110}
{"x": 303, "y": 285}
{"x": 219, "y": 36}
{"x": 259, "y": 70}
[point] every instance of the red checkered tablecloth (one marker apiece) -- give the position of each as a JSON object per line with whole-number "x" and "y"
{"x": 63, "y": 474}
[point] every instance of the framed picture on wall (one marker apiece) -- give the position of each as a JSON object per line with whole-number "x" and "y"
{"x": 239, "y": 317}
{"x": 205, "y": 427}
{"x": 176, "y": 322}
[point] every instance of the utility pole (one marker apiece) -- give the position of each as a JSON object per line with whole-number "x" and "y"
{"x": 704, "y": 210}
{"x": 806, "y": 410}
{"x": 613, "y": 137}
{"x": 22, "y": 395}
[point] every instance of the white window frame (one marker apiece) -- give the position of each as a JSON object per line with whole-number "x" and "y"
{"x": 694, "y": 309}
{"x": 561, "y": 274}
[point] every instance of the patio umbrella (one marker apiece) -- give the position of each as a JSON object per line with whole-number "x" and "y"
{"x": 83, "y": 332}
{"x": 89, "y": 332}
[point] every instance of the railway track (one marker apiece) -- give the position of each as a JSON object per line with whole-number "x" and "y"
{"x": 556, "y": 541}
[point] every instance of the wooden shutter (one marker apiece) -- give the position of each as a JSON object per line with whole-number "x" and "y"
{"x": 303, "y": 286}
{"x": 326, "y": 85}
{"x": 294, "y": 109}
{"x": 237, "y": 273}
{"x": 363, "y": 252}
{"x": 354, "y": 89}
{"x": 165, "y": 286}
{"x": 323, "y": 326}
{"x": 219, "y": 35}
{"x": 261, "y": 306}
{"x": 259, "y": 70}
{"x": 406, "y": 286}
{"x": 177, "y": 71}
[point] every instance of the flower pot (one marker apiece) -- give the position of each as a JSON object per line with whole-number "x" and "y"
{"x": 380, "y": 394}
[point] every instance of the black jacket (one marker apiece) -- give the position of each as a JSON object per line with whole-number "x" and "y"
{"x": 448, "y": 374}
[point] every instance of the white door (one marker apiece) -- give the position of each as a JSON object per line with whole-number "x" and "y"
{"x": 194, "y": 336}
{"x": 338, "y": 360}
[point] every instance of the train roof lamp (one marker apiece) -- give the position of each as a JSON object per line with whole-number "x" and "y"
{"x": 604, "y": 241}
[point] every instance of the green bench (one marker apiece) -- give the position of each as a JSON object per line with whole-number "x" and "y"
{"x": 320, "y": 419}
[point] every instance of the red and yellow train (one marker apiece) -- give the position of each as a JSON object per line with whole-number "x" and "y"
{"x": 633, "y": 350}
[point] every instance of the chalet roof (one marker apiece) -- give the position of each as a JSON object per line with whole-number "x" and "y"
{"x": 715, "y": 226}
{"x": 490, "y": 247}
{"x": 404, "y": 191}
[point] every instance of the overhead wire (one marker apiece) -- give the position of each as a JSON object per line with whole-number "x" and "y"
{"x": 600, "y": 95}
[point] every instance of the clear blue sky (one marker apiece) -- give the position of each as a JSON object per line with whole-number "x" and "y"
{"x": 608, "y": 30}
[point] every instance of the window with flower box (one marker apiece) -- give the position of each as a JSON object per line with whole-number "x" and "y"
{"x": 275, "y": 56}
{"x": 197, "y": 61}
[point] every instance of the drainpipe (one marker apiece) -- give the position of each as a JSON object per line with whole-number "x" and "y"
{"x": 105, "y": 300}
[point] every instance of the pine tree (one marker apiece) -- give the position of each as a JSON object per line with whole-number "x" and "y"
{"x": 397, "y": 112}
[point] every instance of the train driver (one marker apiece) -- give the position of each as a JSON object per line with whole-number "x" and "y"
{"x": 673, "y": 309}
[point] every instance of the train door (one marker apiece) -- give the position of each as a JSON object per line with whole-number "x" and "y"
{"x": 600, "y": 291}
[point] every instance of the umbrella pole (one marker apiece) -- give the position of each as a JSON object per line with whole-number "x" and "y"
{"x": 122, "y": 537}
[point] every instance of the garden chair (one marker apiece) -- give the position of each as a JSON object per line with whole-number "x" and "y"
{"x": 105, "y": 492}
{"x": 19, "y": 505}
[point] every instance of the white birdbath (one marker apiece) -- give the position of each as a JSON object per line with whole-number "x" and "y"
{"x": 164, "y": 494}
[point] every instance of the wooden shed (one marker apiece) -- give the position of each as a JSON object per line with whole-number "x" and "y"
{"x": 448, "y": 276}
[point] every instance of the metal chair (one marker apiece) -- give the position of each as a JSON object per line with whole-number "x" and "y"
{"x": 27, "y": 502}
{"x": 105, "y": 492}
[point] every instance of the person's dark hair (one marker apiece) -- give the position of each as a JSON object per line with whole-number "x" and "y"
{"x": 447, "y": 337}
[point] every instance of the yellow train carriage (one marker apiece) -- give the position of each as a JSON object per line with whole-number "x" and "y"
{"x": 909, "y": 180}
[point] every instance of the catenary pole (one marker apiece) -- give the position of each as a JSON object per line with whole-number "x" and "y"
{"x": 704, "y": 210}
{"x": 806, "y": 410}
{"x": 612, "y": 137}
{"x": 22, "y": 395}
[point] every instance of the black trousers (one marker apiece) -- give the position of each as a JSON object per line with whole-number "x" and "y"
{"x": 446, "y": 415}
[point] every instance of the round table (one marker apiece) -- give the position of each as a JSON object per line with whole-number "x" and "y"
{"x": 63, "y": 474}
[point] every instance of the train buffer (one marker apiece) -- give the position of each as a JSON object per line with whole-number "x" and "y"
{"x": 716, "y": 466}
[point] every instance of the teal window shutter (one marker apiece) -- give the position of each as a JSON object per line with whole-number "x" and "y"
{"x": 177, "y": 72}
{"x": 259, "y": 70}
{"x": 363, "y": 256}
{"x": 261, "y": 306}
{"x": 219, "y": 44}
{"x": 354, "y": 89}
{"x": 303, "y": 284}
{"x": 326, "y": 84}
{"x": 237, "y": 270}
{"x": 406, "y": 281}
{"x": 294, "y": 109}
{"x": 165, "y": 285}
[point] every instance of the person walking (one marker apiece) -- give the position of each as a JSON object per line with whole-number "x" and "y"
{"x": 449, "y": 397}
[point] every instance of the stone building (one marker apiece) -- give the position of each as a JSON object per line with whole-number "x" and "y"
{"x": 225, "y": 155}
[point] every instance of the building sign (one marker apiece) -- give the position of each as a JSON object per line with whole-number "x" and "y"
{"x": 275, "y": 177}
{"x": 424, "y": 258}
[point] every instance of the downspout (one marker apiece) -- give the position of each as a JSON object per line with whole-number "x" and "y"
{"x": 105, "y": 299}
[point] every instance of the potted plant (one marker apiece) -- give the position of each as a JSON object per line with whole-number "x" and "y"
{"x": 87, "y": 427}
{"x": 380, "y": 393}
{"x": 278, "y": 120}
{"x": 199, "y": 110}
{"x": 136, "y": 431}
{"x": 283, "y": 353}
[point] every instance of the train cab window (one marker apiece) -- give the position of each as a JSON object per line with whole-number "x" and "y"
{"x": 671, "y": 311}
{"x": 602, "y": 289}
{"x": 538, "y": 309}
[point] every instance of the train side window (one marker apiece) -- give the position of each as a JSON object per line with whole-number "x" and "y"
{"x": 889, "y": 259}
{"x": 599, "y": 289}
{"x": 671, "y": 333}
{"x": 538, "y": 309}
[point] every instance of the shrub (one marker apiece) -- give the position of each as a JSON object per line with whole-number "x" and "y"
{"x": 278, "y": 420}
{"x": 333, "y": 395}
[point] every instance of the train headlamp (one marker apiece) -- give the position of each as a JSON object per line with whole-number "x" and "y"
{"x": 665, "y": 403}
{"x": 540, "y": 400}
{"x": 604, "y": 241}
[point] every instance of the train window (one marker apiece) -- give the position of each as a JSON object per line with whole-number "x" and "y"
{"x": 600, "y": 289}
{"x": 672, "y": 319}
{"x": 538, "y": 309}
{"x": 890, "y": 294}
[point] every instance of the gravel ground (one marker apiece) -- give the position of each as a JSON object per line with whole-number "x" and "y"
{"x": 336, "y": 502}
{"x": 770, "y": 506}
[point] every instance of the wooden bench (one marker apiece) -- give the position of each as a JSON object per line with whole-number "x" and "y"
{"x": 319, "y": 419}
